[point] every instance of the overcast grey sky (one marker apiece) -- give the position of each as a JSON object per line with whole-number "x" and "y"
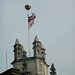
{"x": 54, "y": 25}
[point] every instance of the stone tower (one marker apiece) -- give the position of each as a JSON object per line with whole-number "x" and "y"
{"x": 38, "y": 48}
{"x": 36, "y": 65}
{"x": 53, "y": 70}
{"x": 19, "y": 55}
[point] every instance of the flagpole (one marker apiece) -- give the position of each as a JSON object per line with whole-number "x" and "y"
{"x": 28, "y": 34}
{"x": 27, "y": 7}
{"x": 29, "y": 41}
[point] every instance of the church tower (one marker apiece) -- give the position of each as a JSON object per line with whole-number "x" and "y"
{"x": 35, "y": 65}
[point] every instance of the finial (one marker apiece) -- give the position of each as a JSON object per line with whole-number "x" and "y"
{"x": 53, "y": 70}
{"x": 27, "y": 7}
{"x": 52, "y": 67}
{"x": 22, "y": 48}
{"x": 17, "y": 41}
{"x": 36, "y": 38}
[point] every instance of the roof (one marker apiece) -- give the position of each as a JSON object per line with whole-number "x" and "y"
{"x": 11, "y": 71}
{"x": 36, "y": 40}
{"x": 42, "y": 47}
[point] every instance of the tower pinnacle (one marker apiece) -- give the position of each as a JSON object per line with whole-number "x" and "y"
{"x": 36, "y": 38}
{"x": 53, "y": 70}
{"x": 17, "y": 41}
{"x": 22, "y": 48}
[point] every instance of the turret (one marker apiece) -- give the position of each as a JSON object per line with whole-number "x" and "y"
{"x": 19, "y": 55}
{"x": 17, "y": 50}
{"x": 39, "y": 50}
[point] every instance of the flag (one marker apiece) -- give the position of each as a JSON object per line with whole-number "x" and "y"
{"x": 31, "y": 20}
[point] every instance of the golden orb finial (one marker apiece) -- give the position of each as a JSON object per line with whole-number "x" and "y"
{"x": 27, "y": 7}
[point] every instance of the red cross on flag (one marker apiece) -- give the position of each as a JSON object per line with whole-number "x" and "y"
{"x": 31, "y": 20}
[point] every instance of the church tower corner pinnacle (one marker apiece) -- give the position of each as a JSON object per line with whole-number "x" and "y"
{"x": 19, "y": 55}
{"x": 17, "y": 41}
{"x": 36, "y": 38}
{"x": 17, "y": 50}
{"x": 53, "y": 70}
{"x": 39, "y": 50}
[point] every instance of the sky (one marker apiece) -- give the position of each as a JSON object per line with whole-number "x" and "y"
{"x": 54, "y": 25}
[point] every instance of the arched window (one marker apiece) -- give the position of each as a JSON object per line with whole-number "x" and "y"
{"x": 37, "y": 51}
{"x": 18, "y": 54}
{"x": 37, "y": 45}
{"x": 42, "y": 52}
